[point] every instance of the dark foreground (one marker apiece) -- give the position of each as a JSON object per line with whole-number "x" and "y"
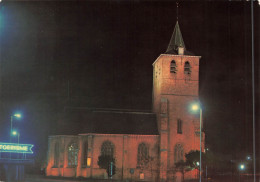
{"x": 40, "y": 178}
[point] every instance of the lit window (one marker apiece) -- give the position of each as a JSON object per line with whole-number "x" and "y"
{"x": 85, "y": 153}
{"x": 142, "y": 155}
{"x": 187, "y": 68}
{"x": 107, "y": 149}
{"x": 89, "y": 162}
{"x": 178, "y": 153}
{"x": 179, "y": 126}
{"x": 56, "y": 155}
{"x": 73, "y": 155}
{"x": 173, "y": 67}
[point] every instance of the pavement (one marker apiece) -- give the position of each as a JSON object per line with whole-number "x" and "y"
{"x": 42, "y": 178}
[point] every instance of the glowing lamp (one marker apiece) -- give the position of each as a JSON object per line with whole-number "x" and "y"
{"x": 195, "y": 107}
{"x": 14, "y": 133}
{"x": 241, "y": 166}
{"x": 17, "y": 115}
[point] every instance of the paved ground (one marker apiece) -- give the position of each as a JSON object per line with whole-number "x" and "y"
{"x": 40, "y": 178}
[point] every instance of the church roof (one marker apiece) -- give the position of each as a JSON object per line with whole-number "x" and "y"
{"x": 84, "y": 120}
{"x": 176, "y": 41}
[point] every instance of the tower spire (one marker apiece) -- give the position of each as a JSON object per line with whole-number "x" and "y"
{"x": 176, "y": 40}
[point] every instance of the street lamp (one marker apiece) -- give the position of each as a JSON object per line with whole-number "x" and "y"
{"x": 16, "y": 115}
{"x": 14, "y": 133}
{"x": 241, "y": 167}
{"x": 196, "y": 107}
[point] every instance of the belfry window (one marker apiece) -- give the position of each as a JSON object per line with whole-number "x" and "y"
{"x": 173, "y": 67}
{"x": 73, "y": 155}
{"x": 142, "y": 154}
{"x": 179, "y": 126}
{"x": 85, "y": 153}
{"x": 187, "y": 68}
{"x": 107, "y": 149}
{"x": 56, "y": 154}
{"x": 178, "y": 153}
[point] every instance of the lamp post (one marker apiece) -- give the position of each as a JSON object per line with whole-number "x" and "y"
{"x": 16, "y": 115}
{"x": 241, "y": 167}
{"x": 196, "y": 107}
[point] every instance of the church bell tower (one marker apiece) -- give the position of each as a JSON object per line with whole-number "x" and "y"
{"x": 175, "y": 88}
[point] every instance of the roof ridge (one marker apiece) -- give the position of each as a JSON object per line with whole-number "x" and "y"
{"x": 111, "y": 109}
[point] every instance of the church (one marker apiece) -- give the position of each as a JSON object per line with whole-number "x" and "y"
{"x": 144, "y": 145}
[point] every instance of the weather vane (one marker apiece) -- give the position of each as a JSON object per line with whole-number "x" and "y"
{"x": 177, "y": 12}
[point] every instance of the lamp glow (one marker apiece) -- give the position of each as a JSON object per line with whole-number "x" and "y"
{"x": 195, "y": 107}
{"x": 14, "y": 133}
{"x": 17, "y": 115}
{"x": 241, "y": 166}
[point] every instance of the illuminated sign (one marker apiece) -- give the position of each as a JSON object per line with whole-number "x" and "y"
{"x": 16, "y": 148}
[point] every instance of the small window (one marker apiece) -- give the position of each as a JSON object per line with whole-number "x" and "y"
{"x": 142, "y": 154}
{"x": 187, "y": 68}
{"x": 173, "y": 67}
{"x": 73, "y": 155}
{"x": 85, "y": 154}
{"x": 178, "y": 153}
{"x": 107, "y": 149}
{"x": 179, "y": 126}
{"x": 56, "y": 155}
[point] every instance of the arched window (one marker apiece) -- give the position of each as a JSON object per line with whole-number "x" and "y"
{"x": 187, "y": 68}
{"x": 73, "y": 155}
{"x": 179, "y": 126}
{"x": 56, "y": 154}
{"x": 85, "y": 153}
{"x": 142, "y": 154}
{"x": 173, "y": 67}
{"x": 178, "y": 153}
{"x": 107, "y": 149}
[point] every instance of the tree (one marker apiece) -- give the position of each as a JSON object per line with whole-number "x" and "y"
{"x": 192, "y": 159}
{"x": 191, "y": 162}
{"x": 104, "y": 162}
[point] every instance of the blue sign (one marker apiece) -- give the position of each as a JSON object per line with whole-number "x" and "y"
{"x": 16, "y": 148}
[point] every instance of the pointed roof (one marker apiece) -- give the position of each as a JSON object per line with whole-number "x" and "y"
{"x": 176, "y": 41}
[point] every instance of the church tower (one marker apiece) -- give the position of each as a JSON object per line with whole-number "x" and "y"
{"x": 175, "y": 88}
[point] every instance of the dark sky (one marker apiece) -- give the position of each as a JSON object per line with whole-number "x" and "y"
{"x": 100, "y": 54}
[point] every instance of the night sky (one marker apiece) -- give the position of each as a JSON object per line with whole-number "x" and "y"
{"x": 100, "y": 55}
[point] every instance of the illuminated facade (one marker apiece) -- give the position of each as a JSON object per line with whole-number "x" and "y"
{"x": 145, "y": 145}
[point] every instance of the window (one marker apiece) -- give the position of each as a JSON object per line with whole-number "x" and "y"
{"x": 107, "y": 149}
{"x": 187, "y": 68}
{"x": 178, "y": 153}
{"x": 173, "y": 67}
{"x": 56, "y": 155}
{"x": 73, "y": 155}
{"x": 179, "y": 126}
{"x": 85, "y": 154}
{"x": 142, "y": 155}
